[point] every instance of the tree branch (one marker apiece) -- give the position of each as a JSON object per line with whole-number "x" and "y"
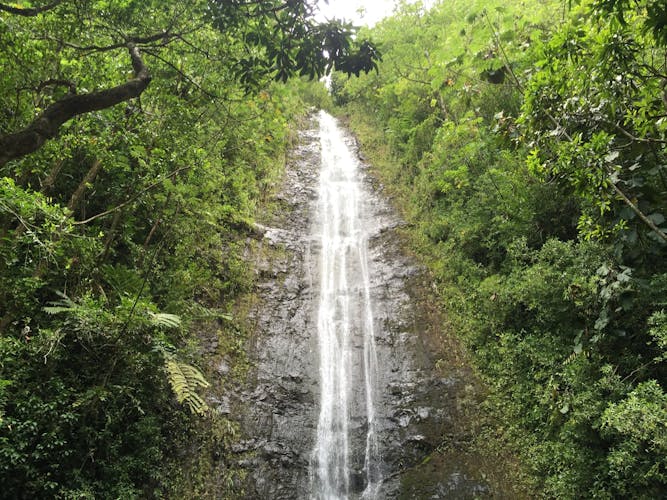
{"x": 502, "y": 50}
{"x": 646, "y": 140}
{"x": 57, "y": 82}
{"x": 83, "y": 185}
{"x": 207, "y": 93}
{"x": 48, "y": 123}
{"x": 164, "y": 37}
{"x": 639, "y": 213}
{"x": 28, "y": 12}
{"x": 133, "y": 198}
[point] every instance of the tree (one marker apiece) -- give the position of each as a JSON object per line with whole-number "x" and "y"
{"x": 278, "y": 39}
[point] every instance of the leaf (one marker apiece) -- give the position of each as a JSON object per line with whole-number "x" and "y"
{"x": 125, "y": 281}
{"x": 56, "y": 309}
{"x": 611, "y": 156}
{"x": 627, "y": 213}
{"x": 602, "y": 321}
{"x": 165, "y": 320}
{"x": 657, "y": 218}
{"x": 65, "y": 304}
{"x": 185, "y": 379}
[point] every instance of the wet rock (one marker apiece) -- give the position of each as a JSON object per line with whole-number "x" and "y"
{"x": 222, "y": 367}
{"x": 357, "y": 481}
{"x": 423, "y": 413}
{"x": 222, "y": 406}
{"x": 243, "y": 446}
{"x": 415, "y": 407}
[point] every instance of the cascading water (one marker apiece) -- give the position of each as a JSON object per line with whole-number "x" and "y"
{"x": 346, "y": 400}
{"x": 344, "y": 329}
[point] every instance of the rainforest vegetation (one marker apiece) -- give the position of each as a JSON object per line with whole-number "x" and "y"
{"x": 525, "y": 142}
{"x": 137, "y": 141}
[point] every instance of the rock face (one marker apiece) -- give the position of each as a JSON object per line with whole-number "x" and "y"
{"x": 419, "y": 408}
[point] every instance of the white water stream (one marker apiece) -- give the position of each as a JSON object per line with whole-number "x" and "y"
{"x": 345, "y": 331}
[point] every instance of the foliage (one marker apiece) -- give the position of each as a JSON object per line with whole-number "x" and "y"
{"x": 526, "y": 145}
{"x": 185, "y": 380}
{"x": 282, "y": 39}
{"x": 122, "y": 234}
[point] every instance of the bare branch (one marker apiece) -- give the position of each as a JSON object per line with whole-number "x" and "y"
{"x": 504, "y": 54}
{"x": 207, "y": 93}
{"x": 165, "y": 37}
{"x": 83, "y": 185}
{"x": 639, "y": 213}
{"x": 646, "y": 140}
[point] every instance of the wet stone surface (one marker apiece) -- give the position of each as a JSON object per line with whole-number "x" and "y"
{"x": 418, "y": 407}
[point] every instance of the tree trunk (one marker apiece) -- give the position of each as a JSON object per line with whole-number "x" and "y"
{"x": 88, "y": 179}
{"x": 111, "y": 235}
{"x": 50, "y": 180}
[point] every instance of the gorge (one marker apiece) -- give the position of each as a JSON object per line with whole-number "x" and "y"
{"x": 347, "y": 400}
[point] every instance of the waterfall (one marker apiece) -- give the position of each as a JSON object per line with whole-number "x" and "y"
{"x": 345, "y": 335}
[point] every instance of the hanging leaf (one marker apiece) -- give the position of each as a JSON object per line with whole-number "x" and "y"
{"x": 185, "y": 379}
{"x": 165, "y": 320}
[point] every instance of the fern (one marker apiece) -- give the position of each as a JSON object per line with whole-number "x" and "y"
{"x": 124, "y": 281}
{"x": 65, "y": 304}
{"x": 185, "y": 380}
{"x": 165, "y": 320}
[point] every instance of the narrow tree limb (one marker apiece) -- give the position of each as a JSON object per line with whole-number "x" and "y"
{"x": 29, "y": 12}
{"x": 627, "y": 134}
{"x": 50, "y": 180}
{"x": 156, "y": 224}
{"x": 48, "y": 123}
{"x": 55, "y": 82}
{"x": 639, "y": 213}
{"x": 164, "y": 37}
{"x": 111, "y": 235}
{"x": 133, "y": 198}
{"x": 502, "y": 50}
{"x": 207, "y": 93}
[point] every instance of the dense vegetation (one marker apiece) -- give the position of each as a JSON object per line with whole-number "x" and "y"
{"x": 137, "y": 139}
{"x": 526, "y": 143}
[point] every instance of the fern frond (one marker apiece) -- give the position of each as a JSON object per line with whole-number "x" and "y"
{"x": 56, "y": 309}
{"x": 185, "y": 380}
{"x": 125, "y": 281}
{"x": 165, "y": 320}
{"x": 65, "y": 304}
